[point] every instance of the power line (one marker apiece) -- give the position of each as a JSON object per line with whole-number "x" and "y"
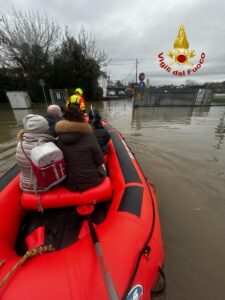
{"x": 131, "y": 70}
{"x": 134, "y": 62}
{"x": 120, "y": 63}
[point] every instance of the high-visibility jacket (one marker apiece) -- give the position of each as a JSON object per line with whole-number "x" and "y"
{"x": 76, "y": 101}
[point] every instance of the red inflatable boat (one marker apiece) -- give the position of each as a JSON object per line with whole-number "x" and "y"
{"x": 118, "y": 257}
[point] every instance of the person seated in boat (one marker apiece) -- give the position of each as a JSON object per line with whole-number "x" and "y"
{"x": 54, "y": 114}
{"x": 82, "y": 153}
{"x": 35, "y": 131}
{"x": 102, "y": 134}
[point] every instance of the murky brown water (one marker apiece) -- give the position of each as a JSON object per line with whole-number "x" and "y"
{"x": 182, "y": 151}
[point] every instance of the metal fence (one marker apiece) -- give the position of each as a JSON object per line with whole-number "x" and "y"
{"x": 58, "y": 96}
{"x": 173, "y": 97}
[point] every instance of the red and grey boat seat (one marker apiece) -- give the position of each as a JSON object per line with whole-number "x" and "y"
{"x": 61, "y": 197}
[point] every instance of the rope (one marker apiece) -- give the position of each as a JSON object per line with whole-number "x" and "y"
{"x": 27, "y": 255}
{"x": 2, "y": 262}
{"x": 146, "y": 249}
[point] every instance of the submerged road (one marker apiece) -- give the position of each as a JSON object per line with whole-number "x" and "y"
{"x": 182, "y": 151}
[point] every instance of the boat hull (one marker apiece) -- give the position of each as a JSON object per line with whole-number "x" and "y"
{"x": 130, "y": 237}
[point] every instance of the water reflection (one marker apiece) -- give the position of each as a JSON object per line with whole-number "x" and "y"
{"x": 168, "y": 125}
{"x": 181, "y": 115}
{"x": 219, "y": 132}
{"x": 116, "y": 112}
{"x": 8, "y": 125}
{"x": 182, "y": 151}
{"x": 19, "y": 114}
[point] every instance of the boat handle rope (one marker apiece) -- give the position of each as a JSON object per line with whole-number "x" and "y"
{"x": 158, "y": 291}
{"x": 146, "y": 248}
{"x": 27, "y": 255}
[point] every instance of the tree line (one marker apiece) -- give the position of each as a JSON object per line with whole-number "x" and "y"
{"x": 34, "y": 47}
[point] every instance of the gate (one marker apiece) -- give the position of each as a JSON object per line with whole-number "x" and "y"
{"x": 172, "y": 97}
{"x": 59, "y": 96}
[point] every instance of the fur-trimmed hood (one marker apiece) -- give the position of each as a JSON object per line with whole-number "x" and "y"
{"x": 70, "y": 132}
{"x": 64, "y": 126}
{"x": 34, "y": 137}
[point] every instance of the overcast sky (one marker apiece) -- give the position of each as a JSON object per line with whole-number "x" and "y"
{"x": 142, "y": 29}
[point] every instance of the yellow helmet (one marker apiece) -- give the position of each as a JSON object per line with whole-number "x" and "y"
{"x": 79, "y": 91}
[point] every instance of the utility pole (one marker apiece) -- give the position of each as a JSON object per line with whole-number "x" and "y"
{"x": 42, "y": 84}
{"x": 43, "y": 89}
{"x": 136, "y": 69}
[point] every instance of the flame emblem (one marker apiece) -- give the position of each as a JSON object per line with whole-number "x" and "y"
{"x": 181, "y": 54}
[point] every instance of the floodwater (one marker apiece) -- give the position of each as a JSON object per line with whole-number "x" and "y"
{"x": 182, "y": 151}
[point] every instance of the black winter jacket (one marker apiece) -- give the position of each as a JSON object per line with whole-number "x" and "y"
{"x": 82, "y": 154}
{"x": 103, "y": 137}
{"x": 51, "y": 122}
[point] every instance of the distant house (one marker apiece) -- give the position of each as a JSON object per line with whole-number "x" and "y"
{"x": 103, "y": 83}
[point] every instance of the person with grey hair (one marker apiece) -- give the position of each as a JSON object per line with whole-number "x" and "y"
{"x": 35, "y": 132}
{"x": 54, "y": 114}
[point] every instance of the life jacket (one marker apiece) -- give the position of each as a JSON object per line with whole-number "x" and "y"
{"x": 76, "y": 101}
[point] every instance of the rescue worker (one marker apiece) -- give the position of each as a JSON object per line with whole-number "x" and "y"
{"x": 77, "y": 100}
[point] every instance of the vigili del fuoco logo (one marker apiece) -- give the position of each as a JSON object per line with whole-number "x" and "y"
{"x": 181, "y": 55}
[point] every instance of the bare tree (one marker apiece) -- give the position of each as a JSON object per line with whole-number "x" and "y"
{"x": 27, "y": 39}
{"x": 189, "y": 82}
{"x": 90, "y": 46}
